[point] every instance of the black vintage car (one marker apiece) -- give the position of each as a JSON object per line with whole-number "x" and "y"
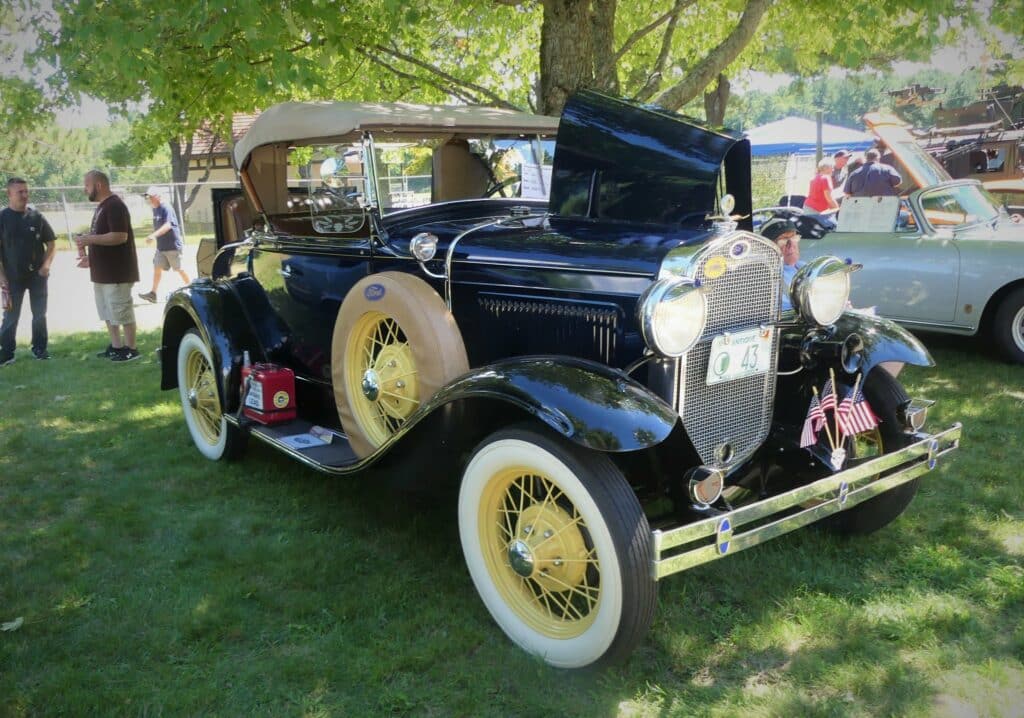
{"x": 571, "y": 318}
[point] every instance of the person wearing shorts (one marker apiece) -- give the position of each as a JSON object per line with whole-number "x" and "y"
{"x": 169, "y": 245}
{"x": 113, "y": 266}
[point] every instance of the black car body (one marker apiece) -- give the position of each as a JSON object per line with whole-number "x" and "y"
{"x": 608, "y": 367}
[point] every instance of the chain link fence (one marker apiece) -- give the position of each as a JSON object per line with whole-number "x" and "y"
{"x": 70, "y": 212}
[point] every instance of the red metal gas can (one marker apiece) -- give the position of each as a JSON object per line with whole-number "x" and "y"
{"x": 271, "y": 395}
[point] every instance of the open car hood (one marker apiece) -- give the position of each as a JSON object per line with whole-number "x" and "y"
{"x": 914, "y": 164}
{"x": 620, "y": 161}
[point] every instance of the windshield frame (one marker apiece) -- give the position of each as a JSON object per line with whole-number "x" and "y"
{"x": 922, "y": 194}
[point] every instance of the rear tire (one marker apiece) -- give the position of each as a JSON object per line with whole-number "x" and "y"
{"x": 558, "y": 548}
{"x": 1008, "y": 327}
{"x": 211, "y": 432}
{"x": 885, "y": 395}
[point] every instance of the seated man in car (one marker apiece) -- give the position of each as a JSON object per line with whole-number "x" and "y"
{"x": 783, "y": 231}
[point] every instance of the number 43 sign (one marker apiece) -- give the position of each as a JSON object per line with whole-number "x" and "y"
{"x": 739, "y": 355}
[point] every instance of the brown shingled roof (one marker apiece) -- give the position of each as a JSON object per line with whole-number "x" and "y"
{"x": 201, "y": 140}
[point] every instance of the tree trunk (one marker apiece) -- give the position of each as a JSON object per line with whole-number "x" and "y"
{"x": 181, "y": 157}
{"x": 715, "y": 102}
{"x": 606, "y": 74}
{"x": 566, "y": 52}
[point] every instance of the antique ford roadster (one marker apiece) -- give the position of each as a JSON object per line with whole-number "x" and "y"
{"x": 560, "y": 315}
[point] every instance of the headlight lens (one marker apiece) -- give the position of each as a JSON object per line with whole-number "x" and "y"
{"x": 821, "y": 290}
{"x": 673, "y": 312}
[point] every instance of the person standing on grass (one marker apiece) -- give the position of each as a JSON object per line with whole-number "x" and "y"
{"x": 168, "y": 241}
{"x": 27, "y": 246}
{"x": 113, "y": 266}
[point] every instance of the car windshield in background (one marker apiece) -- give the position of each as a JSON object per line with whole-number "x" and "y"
{"x": 958, "y": 205}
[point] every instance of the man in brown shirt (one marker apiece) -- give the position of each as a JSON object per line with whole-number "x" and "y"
{"x": 113, "y": 266}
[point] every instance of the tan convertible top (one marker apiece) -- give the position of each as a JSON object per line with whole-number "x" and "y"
{"x": 306, "y": 122}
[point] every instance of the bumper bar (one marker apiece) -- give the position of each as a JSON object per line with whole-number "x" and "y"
{"x": 708, "y": 539}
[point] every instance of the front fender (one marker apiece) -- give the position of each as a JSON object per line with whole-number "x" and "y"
{"x": 216, "y": 312}
{"x": 590, "y": 404}
{"x": 882, "y": 341}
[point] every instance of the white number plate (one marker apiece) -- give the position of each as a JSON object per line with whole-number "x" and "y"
{"x": 739, "y": 355}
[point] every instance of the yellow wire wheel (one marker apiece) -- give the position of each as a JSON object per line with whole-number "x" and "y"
{"x": 200, "y": 400}
{"x": 537, "y": 550}
{"x": 557, "y": 546}
{"x": 395, "y": 344}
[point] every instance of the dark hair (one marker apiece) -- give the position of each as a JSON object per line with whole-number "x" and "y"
{"x": 15, "y": 180}
{"x": 97, "y": 175}
{"x": 872, "y": 155}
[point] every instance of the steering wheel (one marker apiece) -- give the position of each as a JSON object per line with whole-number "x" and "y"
{"x": 502, "y": 186}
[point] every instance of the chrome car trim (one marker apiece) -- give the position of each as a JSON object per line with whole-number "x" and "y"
{"x": 451, "y": 253}
{"x": 836, "y": 492}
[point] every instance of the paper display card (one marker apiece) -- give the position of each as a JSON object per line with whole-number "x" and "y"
{"x": 536, "y": 180}
{"x": 302, "y": 441}
{"x": 869, "y": 214}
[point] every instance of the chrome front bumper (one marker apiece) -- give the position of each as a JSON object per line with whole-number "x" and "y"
{"x": 708, "y": 539}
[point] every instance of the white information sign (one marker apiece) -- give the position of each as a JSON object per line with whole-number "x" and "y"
{"x": 536, "y": 180}
{"x": 869, "y": 214}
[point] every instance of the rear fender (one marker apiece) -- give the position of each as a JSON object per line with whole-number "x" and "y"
{"x": 590, "y": 404}
{"x": 216, "y": 311}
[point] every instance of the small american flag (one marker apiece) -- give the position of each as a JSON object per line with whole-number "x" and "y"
{"x": 828, "y": 398}
{"x": 854, "y": 415}
{"x": 812, "y": 424}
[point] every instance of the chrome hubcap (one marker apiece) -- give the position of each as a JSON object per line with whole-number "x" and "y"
{"x": 520, "y": 558}
{"x": 193, "y": 399}
{"x": 371, "y": 385}
{"x": 1017, "y": 329}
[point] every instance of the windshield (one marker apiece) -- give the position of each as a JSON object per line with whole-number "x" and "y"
{"x": 956, "y": 206}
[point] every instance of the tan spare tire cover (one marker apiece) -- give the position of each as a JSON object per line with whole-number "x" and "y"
{"x": 395, "y": 331}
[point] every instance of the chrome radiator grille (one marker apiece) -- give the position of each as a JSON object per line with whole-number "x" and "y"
{"x": 745, "y": 295}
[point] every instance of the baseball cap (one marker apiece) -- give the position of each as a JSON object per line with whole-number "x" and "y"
{"x": 841, "y": 153}
{"x": 153, "y": 191}
{"x": 777, "y": 226}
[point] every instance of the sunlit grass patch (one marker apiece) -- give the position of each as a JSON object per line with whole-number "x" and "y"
{"x": 151, "y": 581}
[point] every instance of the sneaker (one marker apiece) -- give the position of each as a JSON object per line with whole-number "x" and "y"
{"x": 108, "y": 353}
{"x": 149, "y": 297}
{"x": 41, "y": 354}
{"x": 125, "y": 354}
{"x": 6, "y": 359}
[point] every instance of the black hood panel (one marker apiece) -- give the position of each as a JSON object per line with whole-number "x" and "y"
{"x": 620, "y": 161}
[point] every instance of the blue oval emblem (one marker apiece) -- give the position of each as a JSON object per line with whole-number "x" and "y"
{"x": 723, "y": 535}
{"x": 739, "y": 249}
{"x": 374, "y": 292}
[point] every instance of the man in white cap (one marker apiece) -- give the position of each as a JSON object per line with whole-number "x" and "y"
{"x": 167, "y": 234}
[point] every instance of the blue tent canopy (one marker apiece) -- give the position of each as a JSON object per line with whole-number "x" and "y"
{"x": 795, "y": 134}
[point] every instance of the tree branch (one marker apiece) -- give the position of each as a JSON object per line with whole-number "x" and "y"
{"x": 642, "y": 32}
{"x": 451, "y": 79}
{"x": 417, "y": 79}
{"x": 701, "y": 75}
{"x": 657, "y": 72}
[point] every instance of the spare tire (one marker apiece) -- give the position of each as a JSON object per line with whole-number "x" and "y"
{"x": 395, "y": 344}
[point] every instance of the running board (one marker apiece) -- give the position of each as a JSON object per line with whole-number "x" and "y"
{"x": 294, "y": 439}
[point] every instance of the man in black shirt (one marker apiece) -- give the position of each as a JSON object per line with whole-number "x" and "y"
{"x": 27, "y": 247}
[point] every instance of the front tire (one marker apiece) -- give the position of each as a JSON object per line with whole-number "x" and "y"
{"x": 1008, "y": 327}
{"x": 558, "y": 548}
{"x": 200, "y": 401}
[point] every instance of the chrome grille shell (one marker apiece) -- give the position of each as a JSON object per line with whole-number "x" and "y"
{"x": 743, "y": 292}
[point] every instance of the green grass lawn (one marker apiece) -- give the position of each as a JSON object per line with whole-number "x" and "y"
{"x": 151, "y": 581}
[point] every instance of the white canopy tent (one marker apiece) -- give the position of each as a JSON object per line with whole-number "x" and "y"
{"x": 797, "y": 135}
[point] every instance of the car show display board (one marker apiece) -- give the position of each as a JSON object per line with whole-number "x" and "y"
{"x": 869, "y": 214}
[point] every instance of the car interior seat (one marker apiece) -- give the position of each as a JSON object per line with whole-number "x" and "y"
{"x": 457, "y": 173}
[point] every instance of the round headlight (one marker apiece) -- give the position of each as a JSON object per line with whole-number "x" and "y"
{"x": 673, "y": 312}
{"x": 821, "y": 289}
